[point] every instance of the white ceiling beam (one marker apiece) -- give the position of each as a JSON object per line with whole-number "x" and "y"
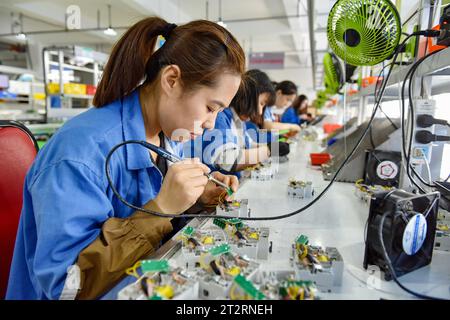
{"x": 300, "y": 34}
{"x": 54, "y": 13}
{"x": 169, "y": 10}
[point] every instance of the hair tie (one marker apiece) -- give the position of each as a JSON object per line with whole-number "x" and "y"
{"x": 167, "y": 30}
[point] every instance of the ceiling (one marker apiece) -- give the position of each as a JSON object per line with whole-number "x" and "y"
{"x": 259, "y": 25}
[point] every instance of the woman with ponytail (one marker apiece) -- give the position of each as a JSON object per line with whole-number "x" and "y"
{"x": 75, "y": 237}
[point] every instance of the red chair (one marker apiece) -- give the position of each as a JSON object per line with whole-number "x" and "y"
{"x": 18, "y": 148}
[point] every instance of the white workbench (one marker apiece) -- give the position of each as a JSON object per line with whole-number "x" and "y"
{"x": 337, "y": 220}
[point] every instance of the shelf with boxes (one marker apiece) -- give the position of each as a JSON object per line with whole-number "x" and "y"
{"x": 22, "y": 98}
{"x": 71, "y": 75}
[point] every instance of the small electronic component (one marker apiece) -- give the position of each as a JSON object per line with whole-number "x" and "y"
{"x": 323, "y": 266}
{"x": 195, "y": 242}
{"x": 262, "y": 174}
{"x": 265, "y": 170}
{"x": 309, "y": 134}
{"x": 245, "y": 240}
{"x": 281, "y": 286}
{"x": 243, "y": 289}
{"x": 160, "y": 282}
{"x": 300, "y": 189}
{"x": 442, "y": 241}
{"x": 233, "y": 208}
{"x": 276, "y": 160}
{"x": 218, "y": 269}
{"x": 365, "y": 192}
{"x": 443, "y": 216}
{"x": 273, "y": 163}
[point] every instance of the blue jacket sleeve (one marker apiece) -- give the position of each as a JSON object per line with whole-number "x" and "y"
{"x": 70, "y": 206}
{"x": 268, "y": 115}
{"x": 259, "y": 135}
{"x": 217, "y": 140}
{"x": 289, "y": 116}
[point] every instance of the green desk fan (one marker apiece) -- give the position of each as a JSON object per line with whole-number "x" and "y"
{"x": 322, "y": 98}
{"x": 333, "y": 78}
{"x": 363, "y": 32}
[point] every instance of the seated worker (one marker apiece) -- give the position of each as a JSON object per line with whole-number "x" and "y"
{"x": 76, "y": 238}
{"x": 229, "y": 146}
{"x": 266, "y": 91}
{"x": 285, "y": 93}
{"x": 298, "y": 112}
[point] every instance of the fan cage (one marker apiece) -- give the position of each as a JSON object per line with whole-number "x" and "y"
{"x": 376, "y": 21}
{"x": 333, "y": 77}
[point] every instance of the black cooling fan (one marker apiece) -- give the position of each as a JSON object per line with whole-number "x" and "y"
{"x": 382, "y": 168}
{"x": 408, "y": 231}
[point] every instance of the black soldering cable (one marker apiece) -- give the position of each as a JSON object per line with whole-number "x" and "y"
{"x": 304, "y": 208}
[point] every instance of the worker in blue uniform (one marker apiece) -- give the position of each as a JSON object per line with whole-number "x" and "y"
{"x": 230, "y": 147}
{"x": 75, "y": 237}
{"x": 285, "y": 94}
{"x": 298, "y": 112}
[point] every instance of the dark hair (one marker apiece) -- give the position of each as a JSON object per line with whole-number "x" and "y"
{"x": 264, "y": 84}
{"x": 246, "y": 101}
{"x": 298, "y": 102}
{"x": 286, "y": 87}
{"x": 202, "y": 50}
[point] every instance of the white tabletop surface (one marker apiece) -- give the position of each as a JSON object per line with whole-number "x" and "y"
{"x": 336, "y": 220}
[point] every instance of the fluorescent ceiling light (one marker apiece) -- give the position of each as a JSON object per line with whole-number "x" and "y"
{"x": 221, "y": 23}
{"x": 21, "y": 36}
{"x": 110, "y": 32}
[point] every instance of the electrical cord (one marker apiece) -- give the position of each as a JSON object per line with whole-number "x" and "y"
{"x": 406, "y": 154}
{"x": 427, "y": 164}
{"x": 412, "y": 118}
{"x": 410, "y": 75}
{"x": 411, "y": 108}
{"x": 372, "y": 142}
{"x": 448, "y": 178}
{"x": 304, "y": 208}
{"x": 399, "y": 49}
{"x": 376, "y": 93}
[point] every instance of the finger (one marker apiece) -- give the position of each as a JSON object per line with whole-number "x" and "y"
{"x": 193, "y": 173}
{"x": 186, "y": 165}
{"x": 190, "y": 160}
{"x": 197, "y": 192}
{"x": 234, "y": 183}
{"x": 214, "y": 194}
{"x": 229, "y": 180}
{"x": 221, "y": 177}
{"x": 197, "y": 182}
{"x": 197, "y": 161}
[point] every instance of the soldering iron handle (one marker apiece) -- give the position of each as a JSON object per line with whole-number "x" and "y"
{"x": 163, "y": 153}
